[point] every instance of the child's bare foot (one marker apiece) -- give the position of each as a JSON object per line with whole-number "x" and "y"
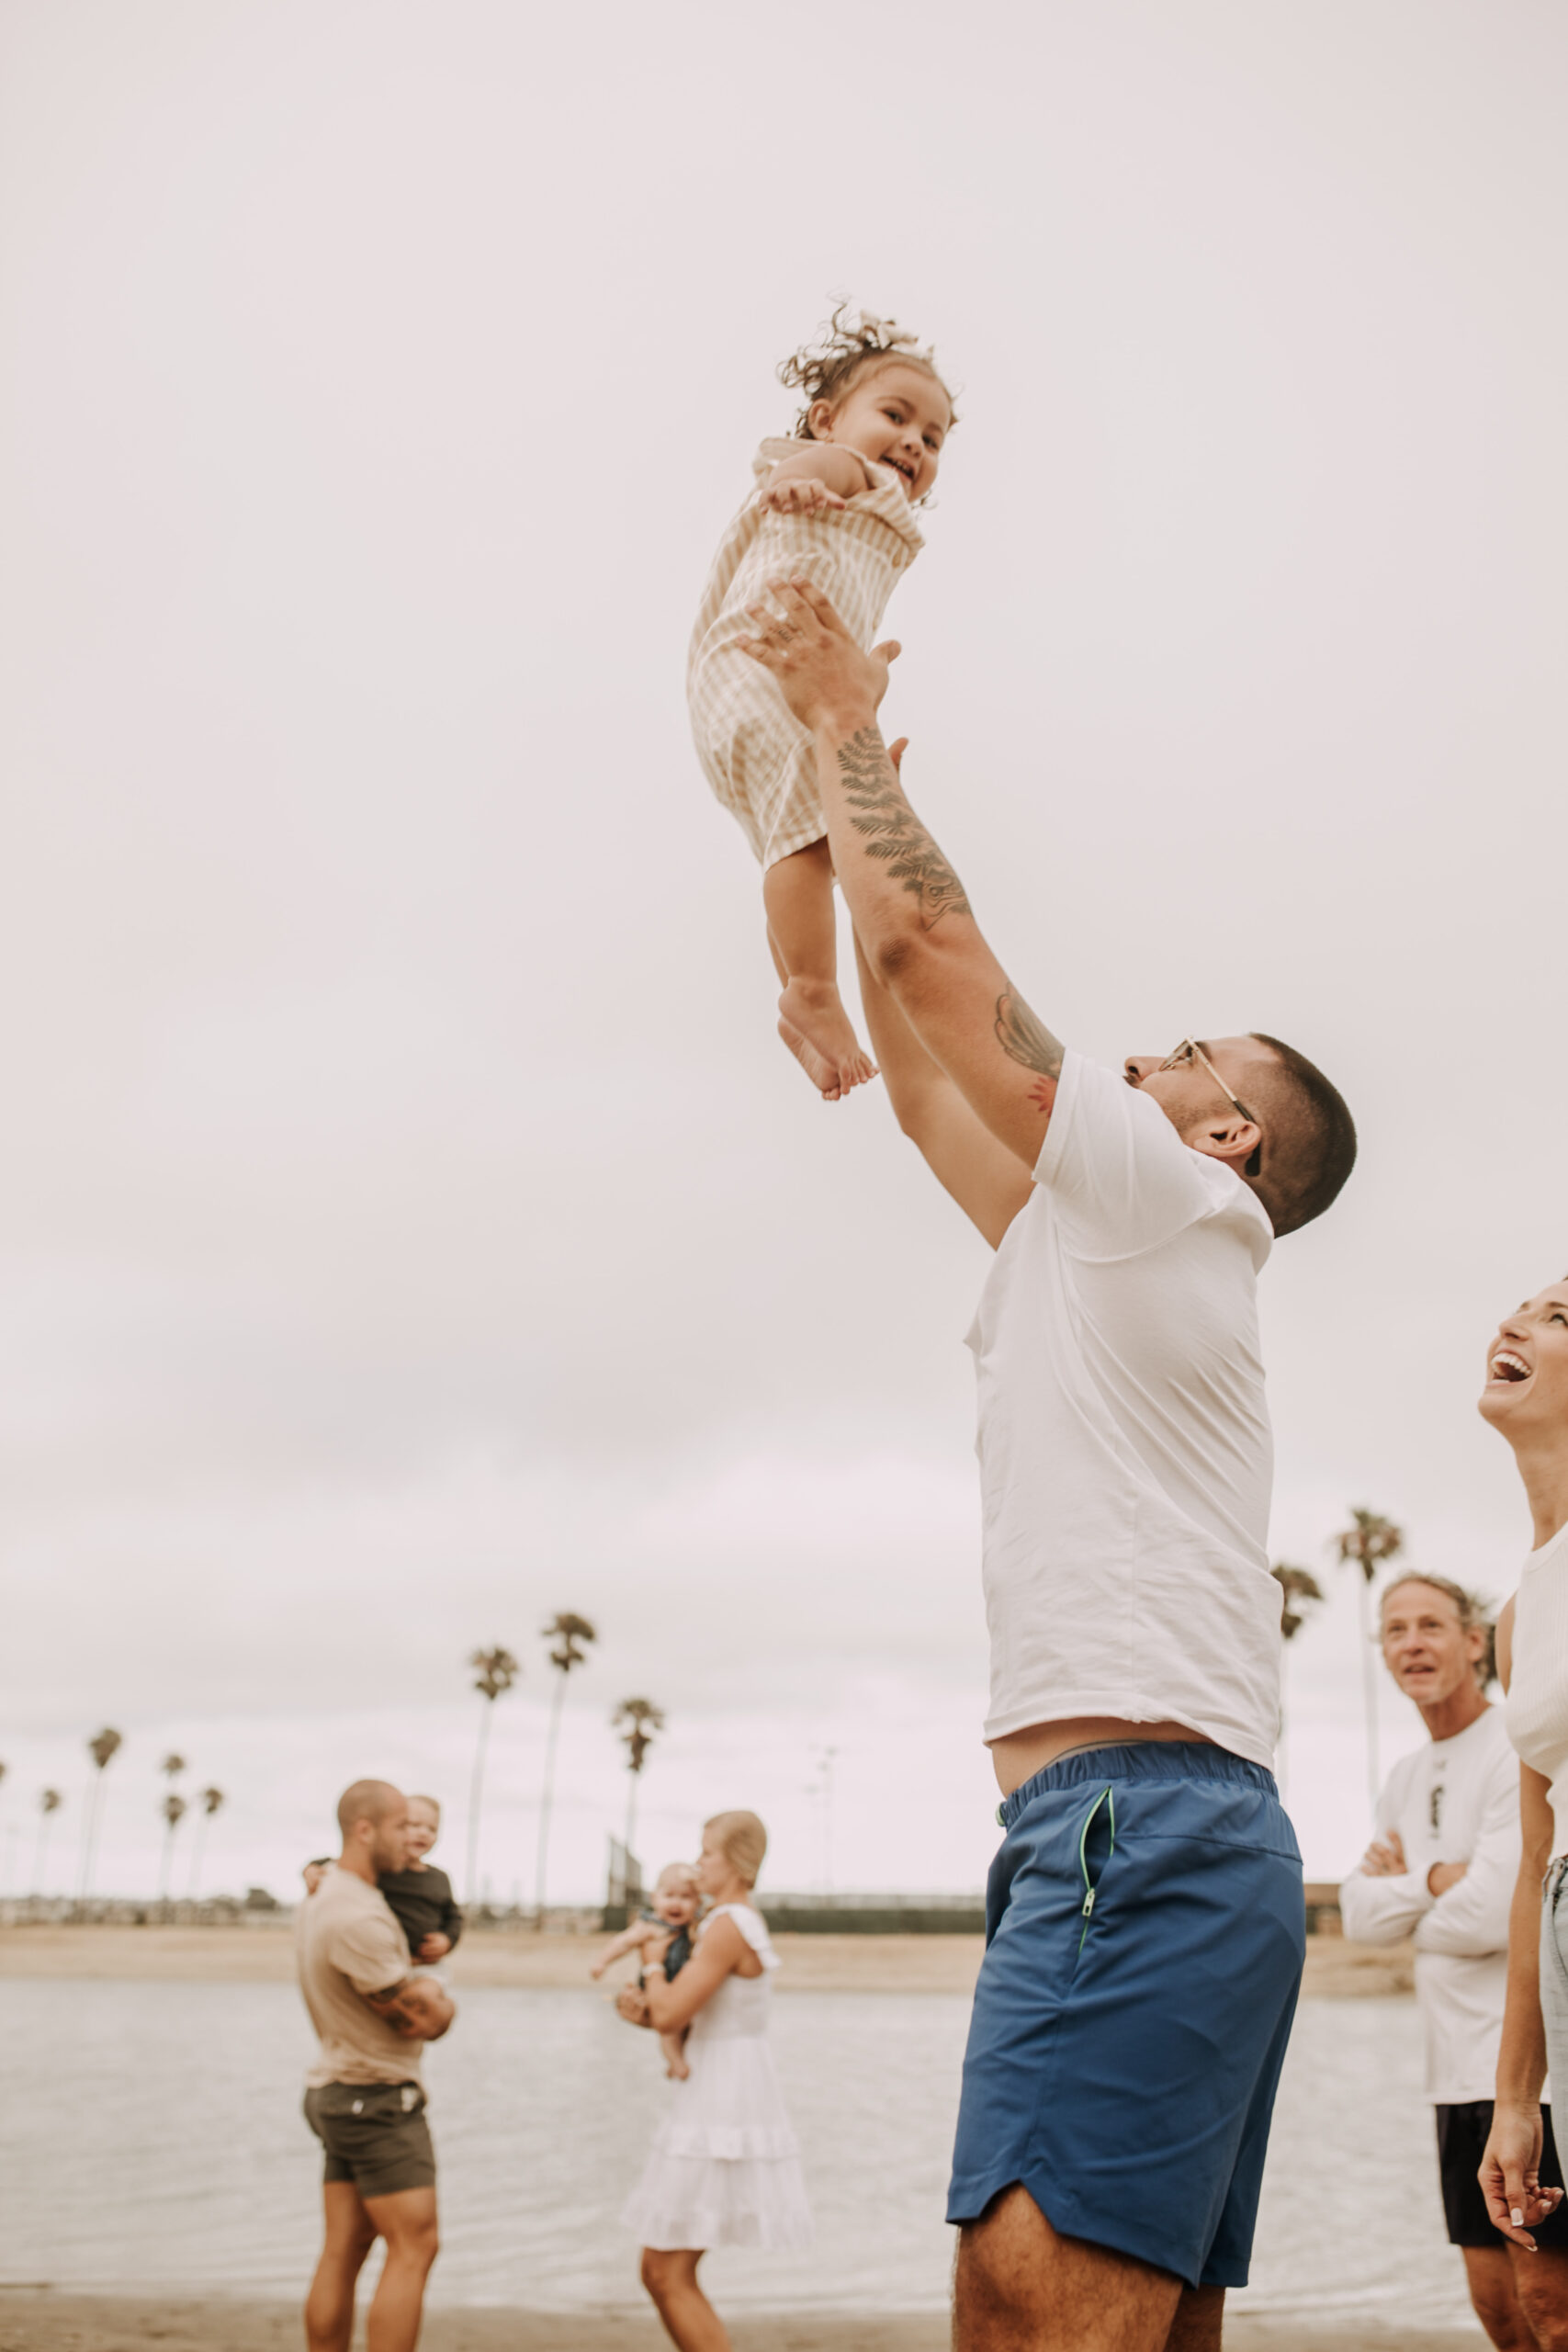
{"x": 677, "y": 2070}
{"x": 815, "y": 1026}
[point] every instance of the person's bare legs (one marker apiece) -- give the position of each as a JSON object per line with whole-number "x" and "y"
{"x": 407, "y": 2220}
{"x": 1019, "y": 2286}
{"x": 675, "y": 2048}
{"x": 1200, "y": 2321}
{"x": 350, "y": 2235}
{"x": 803, "y": 935}
{"x": 1542, "y": 2280}
{"x": 690, "y": 2320}
{"x": 1489, "y": 2274}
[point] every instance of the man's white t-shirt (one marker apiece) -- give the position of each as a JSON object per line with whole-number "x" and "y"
{"x": 1454, "y": 1801}
{"x": 1125, "y": 1453}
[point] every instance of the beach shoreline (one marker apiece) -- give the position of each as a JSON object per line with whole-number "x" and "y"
{"x": 43, "y": 2321}
{"x": 811, "y": 1964}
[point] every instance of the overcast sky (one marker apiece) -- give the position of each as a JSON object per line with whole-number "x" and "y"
{"x": 411, "y": 1224}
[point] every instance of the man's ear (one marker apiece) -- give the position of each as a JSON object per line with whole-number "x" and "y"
{"x": 1234, "y": 1140}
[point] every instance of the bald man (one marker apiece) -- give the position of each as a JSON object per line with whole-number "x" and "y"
{"x": 364, "y": 2097}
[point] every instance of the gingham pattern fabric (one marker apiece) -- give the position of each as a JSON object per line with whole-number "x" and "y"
{"x": 757, "y": 758}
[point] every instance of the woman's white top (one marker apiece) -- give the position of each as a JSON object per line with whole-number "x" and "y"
{"x": 758, "y": 758}
{"x": 1537, "y": 1704}
{"x": 725, "y": 2166}
{"x": 1125, "y": 1456}
{"x": 1454, "y": 1801}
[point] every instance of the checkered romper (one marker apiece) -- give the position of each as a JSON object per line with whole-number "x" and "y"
{"x": 754, "y": 753}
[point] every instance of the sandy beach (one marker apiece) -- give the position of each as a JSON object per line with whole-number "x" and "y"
{"x": 265, "y": 1955}
{"x": 49, "y": 2323}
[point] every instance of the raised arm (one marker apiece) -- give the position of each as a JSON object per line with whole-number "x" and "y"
{"x": 989, "y": 1183}
{"x": 909, "y": 912}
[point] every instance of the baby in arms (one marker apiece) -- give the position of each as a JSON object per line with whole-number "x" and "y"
{"x": 672, "y": 1912}
{"x": 834, "y": 505}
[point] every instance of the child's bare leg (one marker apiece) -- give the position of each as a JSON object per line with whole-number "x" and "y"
{"x": 802, "y": 934}
{"x": 675, "y": 2048}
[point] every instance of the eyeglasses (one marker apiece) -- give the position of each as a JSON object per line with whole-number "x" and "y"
{"x": 1190, "y": 1051}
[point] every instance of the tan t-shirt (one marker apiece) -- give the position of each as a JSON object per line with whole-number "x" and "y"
{"x": 346, "y": 1943}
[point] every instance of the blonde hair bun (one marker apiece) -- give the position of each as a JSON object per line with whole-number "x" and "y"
{"x": 742, "y": 1840}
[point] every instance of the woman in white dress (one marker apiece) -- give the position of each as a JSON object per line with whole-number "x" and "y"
{"x": 1525, "y": 1398}
{"x": 725, "y": 2166}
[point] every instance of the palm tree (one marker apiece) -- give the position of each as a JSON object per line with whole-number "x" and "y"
{"x": 495, "y": 1671}
{"x": 48, "y": 1803}
{"x": 568, "y": 1634}
{"x": 212, "y": 1801}
{"x": 103, "y": 1750}
{"x": 1369, "y": 1544}
{"x": 1299, "y": 1593}
{"x": 641, "y": 1719}
{"x": 174, "y": 1809}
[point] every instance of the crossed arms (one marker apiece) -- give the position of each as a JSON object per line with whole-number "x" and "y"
{"x": 971, "y": 1072}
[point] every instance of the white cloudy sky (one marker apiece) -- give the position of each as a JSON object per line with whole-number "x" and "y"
{"x": 410, "y": 1226}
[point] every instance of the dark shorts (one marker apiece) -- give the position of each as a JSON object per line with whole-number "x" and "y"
{"x": 375, "y": 2135}
{"x": 1462, "y": 2143}
{"x": 1145, "y": 1932}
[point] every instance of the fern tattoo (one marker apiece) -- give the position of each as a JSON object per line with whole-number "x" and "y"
{"x": 892, "y": 832}
{"x": 1024, "y": 1037}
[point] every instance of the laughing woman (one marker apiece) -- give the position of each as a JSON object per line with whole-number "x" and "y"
{"x": 724, "y": 2169}
{"x": 1525, "y": 1398}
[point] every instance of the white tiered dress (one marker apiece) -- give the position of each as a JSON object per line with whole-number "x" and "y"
{"x": 725, "y": 2166}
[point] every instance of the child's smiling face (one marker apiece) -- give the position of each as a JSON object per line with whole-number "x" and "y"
{"x": 677, "y": 1902}
{"x": 896, "y": 414}
{"x": 424, "y": 1827}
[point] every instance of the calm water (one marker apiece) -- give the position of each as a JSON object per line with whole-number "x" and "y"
{"x": 150, "y": 2134}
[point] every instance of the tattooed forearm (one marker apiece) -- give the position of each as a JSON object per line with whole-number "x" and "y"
{"x": 893, "y": 831}
{"x": 1024, "y": 1037}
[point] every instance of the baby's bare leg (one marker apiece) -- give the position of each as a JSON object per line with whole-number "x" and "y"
{"x": 675, "y": 2048}
{"x": 803, "y": 935}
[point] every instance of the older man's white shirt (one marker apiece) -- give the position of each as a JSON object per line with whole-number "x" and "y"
{"x": 1454, "y": 1801}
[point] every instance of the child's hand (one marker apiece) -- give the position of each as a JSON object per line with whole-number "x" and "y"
{"x": 799, "y": 497}
{"x": 434, "y": 1946}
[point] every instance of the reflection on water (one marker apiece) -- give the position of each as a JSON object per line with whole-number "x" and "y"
{"x": 150, "y": 2134}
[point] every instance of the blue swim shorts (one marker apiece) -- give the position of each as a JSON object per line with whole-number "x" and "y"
{"x": 1144, "y": 1937}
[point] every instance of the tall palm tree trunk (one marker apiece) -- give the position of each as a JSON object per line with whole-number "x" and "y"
{"x": 1370, "y": 1693}
{"x": 631, "y": 1816}
{"x": 553, "y": 1734}
{"x": 89, "y": 1813}
{"x": 476, "y": 1795}
{"x": 40, "y": 1855}
{"x": 198, "y": 1841}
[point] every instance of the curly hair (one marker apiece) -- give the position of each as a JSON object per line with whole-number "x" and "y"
{"x": 824, "y": 370}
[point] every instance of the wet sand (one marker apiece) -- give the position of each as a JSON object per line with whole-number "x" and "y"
{"x": 265, "y": 1955}
{"x": 31, "y": 2322}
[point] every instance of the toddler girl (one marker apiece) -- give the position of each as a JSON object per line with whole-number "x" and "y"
{"x": 835, "y": 506}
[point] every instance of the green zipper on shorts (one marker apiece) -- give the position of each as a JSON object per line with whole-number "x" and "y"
{"x": 1107, "y": 1797}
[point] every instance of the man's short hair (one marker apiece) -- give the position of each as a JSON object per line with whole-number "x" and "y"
{"x": 367, "y": 1801}
{"x": 1470, "y": 1609}
{"x": 1309, "y": 1139}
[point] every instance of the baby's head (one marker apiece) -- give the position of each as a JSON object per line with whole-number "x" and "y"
{"x": 870, "y": 389}
{"x": 424, "y": 1826}
{"x": 675, "y": 1896}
